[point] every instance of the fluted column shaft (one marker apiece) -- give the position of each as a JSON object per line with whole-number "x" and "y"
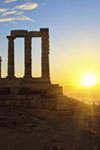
{"x": 11, "y": 71}
{"x": 28, "y": 60}
{"x": 45, "y": 54}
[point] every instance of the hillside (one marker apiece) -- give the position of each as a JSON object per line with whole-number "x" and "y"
{"x": 74, "y": 126}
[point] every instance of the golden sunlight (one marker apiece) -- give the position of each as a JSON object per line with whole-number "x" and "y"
{"x": 89, "y": 80}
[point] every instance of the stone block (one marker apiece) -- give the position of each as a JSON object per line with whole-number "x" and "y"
{"x": 19, "y": 33}
{"x": 34, "y": 34}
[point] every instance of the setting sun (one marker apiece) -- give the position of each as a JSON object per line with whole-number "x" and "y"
{"x": 89, "y": 80}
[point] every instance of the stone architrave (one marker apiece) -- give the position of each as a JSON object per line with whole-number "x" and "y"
{"x": 45, "y": 53}
{"x": 28, "y": 59}
{"x": 11, "y": 71}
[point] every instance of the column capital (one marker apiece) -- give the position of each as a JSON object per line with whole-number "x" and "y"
{"x": 11, "y": 37}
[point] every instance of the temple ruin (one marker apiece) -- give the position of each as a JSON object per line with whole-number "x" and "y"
{"x": 36, "y": 92}
{"x": 44, "y": 34}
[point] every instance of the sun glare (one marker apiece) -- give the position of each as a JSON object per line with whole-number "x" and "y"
{"x": 89, "y": 80}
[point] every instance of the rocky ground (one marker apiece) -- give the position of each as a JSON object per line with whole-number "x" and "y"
{"x": 75, "y": 127}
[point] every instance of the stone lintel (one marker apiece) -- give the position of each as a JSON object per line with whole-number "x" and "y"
{"x": 35, "y": 34}
{"x": 19, "y": 33}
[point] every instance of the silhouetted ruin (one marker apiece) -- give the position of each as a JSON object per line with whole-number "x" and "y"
{"x": 44, "y": 34}
{"x": 36, "y": 92}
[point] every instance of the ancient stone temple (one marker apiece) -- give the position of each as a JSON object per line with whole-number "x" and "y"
{"x": 35, "y": 92}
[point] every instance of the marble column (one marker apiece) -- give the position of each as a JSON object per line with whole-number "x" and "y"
{"x": 11, "y": 70}
{"x": 45, "y": 54}
{"x": 28, "y": 60}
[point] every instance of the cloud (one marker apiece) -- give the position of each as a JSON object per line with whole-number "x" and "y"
{"x": 12, "y": 12}
{"x": 16, "y": 13}
{"x": 23, "y": 18}
{"x": 9, "y": 1}
{"x": 27, "y": 6}
{"x": 3, "y": 9}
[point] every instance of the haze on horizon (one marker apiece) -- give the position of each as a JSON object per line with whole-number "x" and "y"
{"x": 74, "y": 36}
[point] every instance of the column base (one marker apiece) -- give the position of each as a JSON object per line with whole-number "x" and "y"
{"x": 13, "y": 77}
{"x": 27, "y": 77}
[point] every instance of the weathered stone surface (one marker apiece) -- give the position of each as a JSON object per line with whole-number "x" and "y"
{"x": 34, "y": 34}
{"x": 45, "y": 53}
{"x": 28, "y": 55}
{"x": 37, "y": 95}
{"x": 11, "y": 56}
{"x": 19, "y": 33}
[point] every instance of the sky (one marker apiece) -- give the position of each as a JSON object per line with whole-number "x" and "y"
{"x": 74, "y": 27}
